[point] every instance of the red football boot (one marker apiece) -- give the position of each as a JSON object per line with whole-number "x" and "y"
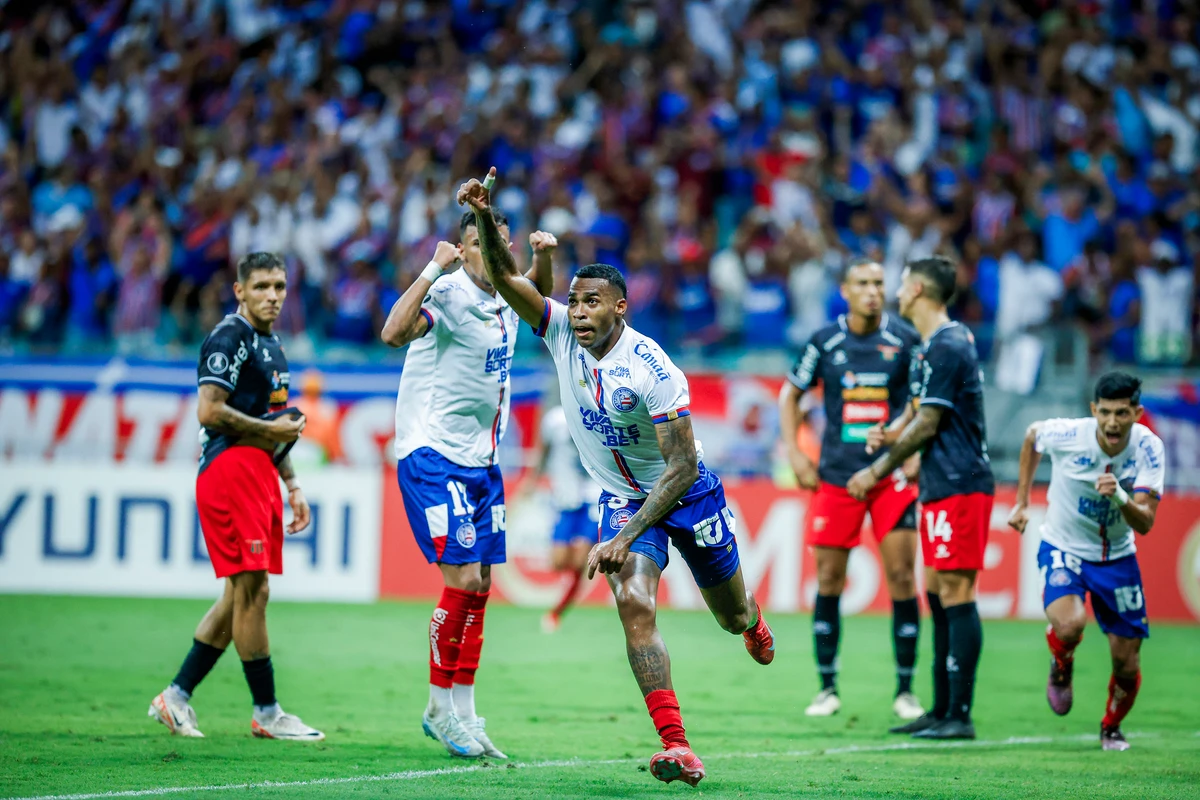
{"x": 677, "y": 764}
{"x": 760, "y": 641}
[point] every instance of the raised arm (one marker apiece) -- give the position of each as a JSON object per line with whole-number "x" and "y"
{"x": 520, "y": 292}
{"x": 678, "y": 448}
{"x": 542, "y": 271}
{"x": 405, "y": 322}
{"x": 1139, "y": 509}
{"x": 1030, "y": 458}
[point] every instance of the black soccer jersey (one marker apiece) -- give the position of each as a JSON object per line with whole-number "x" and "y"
{"x": 251, "y": 366}
{"x": 866, "y": 382}
{"x": 946, "y": 373}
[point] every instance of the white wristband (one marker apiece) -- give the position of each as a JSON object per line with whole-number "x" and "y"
{"x": 1120, "y": 496}
{"x": 432, "y": 271}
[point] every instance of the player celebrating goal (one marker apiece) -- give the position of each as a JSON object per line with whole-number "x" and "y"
{"x": 243, "y": 376}
{"x": 628, "y": 415}
{"x": 1106, "y": 482}
{"x": 451, "y": 413}
{"x": 863, "y": 362}
{"x": 946, "y": 424}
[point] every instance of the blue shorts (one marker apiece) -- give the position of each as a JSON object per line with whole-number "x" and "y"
{"x": 701, "y": 527}
{"x": 456, "y": 513}
{"x": 575, "y": 524}
{"x": 1115, "y": 586}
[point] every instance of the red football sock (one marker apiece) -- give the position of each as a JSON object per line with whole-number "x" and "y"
{"x": 664, "y": 711}
{"x": 446, "y": 635}
{"x": 569, "y": 594}
{"x": 472, "y": 639}
{"x": 1062, "y": 653}
{"x": 1121, "y": 694}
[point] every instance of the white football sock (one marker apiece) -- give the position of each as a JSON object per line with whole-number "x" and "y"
{"x": 464, "y": 701}
{"x": 441, "y": 701}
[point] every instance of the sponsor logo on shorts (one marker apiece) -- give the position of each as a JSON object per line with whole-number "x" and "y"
{"x": 256, "y": 546}
{"x": 624, "y": 399}
{"x": 218, "y": 363}
{"x": 620, "y": 518}
{"x": 1059, "y": 577}
{"x": 819, "y": 523}
{"x": 465, "y": 534}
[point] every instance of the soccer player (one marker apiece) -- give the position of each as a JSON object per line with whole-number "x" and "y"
{"x": 628, "y": 415}
{"x": 451, "y": 413}
{"x": 1107, "y": 479}
{"x": 243, "y": 376}
{"x": 946, "y": 425}
{"x": 575, "y": 496}
{"x": 862, "y": 360}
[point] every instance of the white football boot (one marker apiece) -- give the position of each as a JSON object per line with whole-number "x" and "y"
{"x": 176, "y": 713}
{"x": 825, "y": 704}
{"x": 446, "y": 729}
{"x": 282, "y": 725}
{"x": 475, "y": 728}
{"x": 907, "y": 706}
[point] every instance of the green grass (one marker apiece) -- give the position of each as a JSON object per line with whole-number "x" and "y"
{"x": 76, "y": 676}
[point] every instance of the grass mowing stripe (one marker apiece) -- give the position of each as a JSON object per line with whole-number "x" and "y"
{"x": 434, "y": 773}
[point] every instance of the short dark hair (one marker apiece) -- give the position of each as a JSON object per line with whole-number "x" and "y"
{"x": 468, "y": 221}
{"x": 604, "y": 272}
{"x": 1118, "y": 385}
{"x": 861, "y": 261}
{"x": 938, "y": 272}
{"x": 252, "y": 262}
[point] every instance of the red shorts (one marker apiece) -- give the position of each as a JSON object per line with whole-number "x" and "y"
{"x": 835, "y": 518}
{"x": 241, "y": 512}
{"x": 954, "y": 531}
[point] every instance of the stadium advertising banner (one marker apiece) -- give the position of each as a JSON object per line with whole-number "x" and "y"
{"x": 132, "y": 530}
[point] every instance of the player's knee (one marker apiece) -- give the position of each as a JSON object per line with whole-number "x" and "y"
{"x": 831, "y": 583}
{"x": 1126, "y": 663}
{"x": 1069, "y": 630}
{"x": 635, "y": 606}
{"x": 901, "y": 581}
{"x": 251, "y": 589}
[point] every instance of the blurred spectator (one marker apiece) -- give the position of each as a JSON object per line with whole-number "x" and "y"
{"x": 1029, "y": 292}
{"x": 1167, "y": 294}
{"x": 321, "y": 443}
{"x": 728, "y": 155}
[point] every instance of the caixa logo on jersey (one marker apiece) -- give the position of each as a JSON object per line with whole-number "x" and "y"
{"x": 620, "y": 518}
{"x": 624, "y": 399}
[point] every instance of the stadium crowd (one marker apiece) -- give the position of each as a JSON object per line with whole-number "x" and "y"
{"x": 729, "y": 156}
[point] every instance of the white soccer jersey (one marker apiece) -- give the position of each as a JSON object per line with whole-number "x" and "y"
{"x": 570, "y": 484}
{"x": 1080, "y": 521}
{"x": 613, "y": 404}
{"x": 454, "y": 390}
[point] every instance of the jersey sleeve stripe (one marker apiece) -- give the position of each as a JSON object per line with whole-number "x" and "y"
{"x": 214, "y": 379}
{"x": 670, "y": 415}
{"x": 936, "y": 401}
{"x": 1147, "y": 490}
{"x": 540, "y": 330}
{"x": 429, "y": 317}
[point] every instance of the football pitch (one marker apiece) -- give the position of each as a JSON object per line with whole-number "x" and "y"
{"x": 77, "y": 675}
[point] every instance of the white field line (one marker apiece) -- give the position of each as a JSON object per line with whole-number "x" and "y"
{"x": 416, "y": 774}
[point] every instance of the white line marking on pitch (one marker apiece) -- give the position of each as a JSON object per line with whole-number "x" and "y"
{"x": 416, "y": 774}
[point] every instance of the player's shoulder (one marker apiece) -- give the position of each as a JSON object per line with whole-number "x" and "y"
{"x": 646, "y": 362}
{"x": 1066, "y": 430}
{"x": 829, "y": 336}
{"x": 1148, "y": 443}
{"x": 953, "y": 340}
{"x": 449, "y": 290}
{"x": 900, "y": 329}
{"x": 231, "y": 330}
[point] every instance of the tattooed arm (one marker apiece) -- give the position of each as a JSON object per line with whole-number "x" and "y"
{"x": 678, "y": 448}
{"x": 914, "y": 436}
{"x": 520, "y": 292}
{"x": 213, "y": 413}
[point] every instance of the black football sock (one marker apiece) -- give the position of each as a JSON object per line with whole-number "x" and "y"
{"x": 941, "y": 651}
{"x": 199, "y": 662}
{"x": 906, "y": 627}
{"x": 260, "y": 676}
{"x": 966, "y": 642}
{"x": 827, "y": 630}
